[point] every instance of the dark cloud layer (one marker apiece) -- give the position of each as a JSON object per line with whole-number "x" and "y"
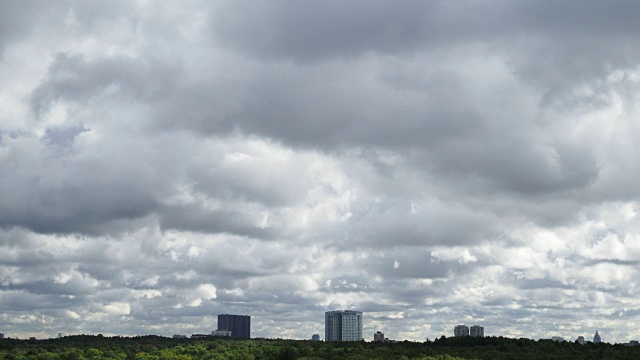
{"x": 429, "y": 163}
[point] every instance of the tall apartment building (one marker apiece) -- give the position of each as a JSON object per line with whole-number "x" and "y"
{"x": 1, "y": 335}
{"x": 239, "y": 325}
{"x": 596, "y": 338}
{"x": 343, "y": 325}
{"x": 461, "y": 330}
{"x": 476, "y": 330}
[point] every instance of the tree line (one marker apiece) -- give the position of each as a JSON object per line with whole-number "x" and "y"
{"x": 88, "y": 347}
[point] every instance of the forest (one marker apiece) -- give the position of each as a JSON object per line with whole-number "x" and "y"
{"x": 98, "y": 347}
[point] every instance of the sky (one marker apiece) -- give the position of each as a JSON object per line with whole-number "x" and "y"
{"x": 429, "y": 163}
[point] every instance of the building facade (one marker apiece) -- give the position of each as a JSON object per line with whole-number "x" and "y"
{"x": 476, "y": 330}
{"x": 226, "y": 333}
{"x": 378, "y": 337}
{"x": 1, "y": 335}
{"x": 461, "y": 330}
{"x": 580, "y": 340}
{"x": 239, "y": 325}
{"x": 315, "y": 337}
{"x": 343, "y": 325}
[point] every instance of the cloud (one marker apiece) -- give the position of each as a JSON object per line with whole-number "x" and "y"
{"x": 429, "y": 164}
{"x": 207, "y": 291}
{"x": 118, "y": 308}
{"x": 13, "y": 25}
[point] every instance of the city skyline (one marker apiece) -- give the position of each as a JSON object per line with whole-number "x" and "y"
{"x": 429, "y": 163}
{"x": 377, "y": 336}
{"x": 336, "y": 322}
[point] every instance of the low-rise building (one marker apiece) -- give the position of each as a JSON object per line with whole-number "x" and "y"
{"x": 580, "y": 340}
{"x": 378, "y": 337}
{"x": 315, "y": 337}
{"x": 557, "y": 338}
{"x": 218, "y": 332}
{"x": 177, "y": 336}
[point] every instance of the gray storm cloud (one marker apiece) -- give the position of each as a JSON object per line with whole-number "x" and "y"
{"x": 428, "y": 163}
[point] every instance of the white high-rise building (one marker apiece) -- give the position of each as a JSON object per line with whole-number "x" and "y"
{"x": 343, "y": 325}
{"x": 476, "y": 330}
{"x": 596, "y": 338}
{"x": 461, "y": 330}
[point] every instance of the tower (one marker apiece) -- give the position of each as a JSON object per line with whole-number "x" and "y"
{"x": 461, "y": 330}
{"x": 343, "y": 325}
{"x": 476, "y": 330}
{"x": 239, "y": 325}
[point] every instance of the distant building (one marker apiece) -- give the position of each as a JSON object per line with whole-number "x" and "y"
{"x": 476, "y": 330}
{"x": 343, "y": 325}
{"x": 176, "y": 336}
{"x": 239, "y": 325}
{"x": 315, "y": 337}
{"x": 221, "y": 333}
{"x": 59, "y": 335}
{"x": 461, "y": 330}
{"x": 33, "y": 338}
{"x": 1, "y": 335}
{"x": 200, "y": 336}
{"x": 378, "y": 337}
{"x": 557, "y": 338}
{"x": 596, "y": 338}
{"x": 580, "y": 340}
{"x": 634, "y": 343}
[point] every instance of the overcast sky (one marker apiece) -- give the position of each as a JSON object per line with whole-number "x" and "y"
{"x": 429, "y": 163}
